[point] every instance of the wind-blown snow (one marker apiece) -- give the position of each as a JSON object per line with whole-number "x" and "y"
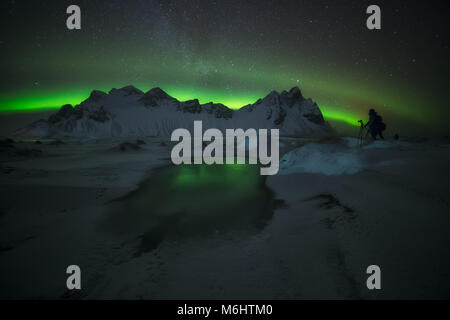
{"x": 336, "y": 159}
{"x": 321, "y": 158}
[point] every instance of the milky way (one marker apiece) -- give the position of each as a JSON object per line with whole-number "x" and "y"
{"x": 232, "y": 52}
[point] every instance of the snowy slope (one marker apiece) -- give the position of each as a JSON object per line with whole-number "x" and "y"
{"x": 129, "y": 112}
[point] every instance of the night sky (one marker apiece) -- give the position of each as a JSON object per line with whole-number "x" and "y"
{"x": 234, "y": 52}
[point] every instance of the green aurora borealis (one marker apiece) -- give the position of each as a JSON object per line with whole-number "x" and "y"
{"x": 336, "y": 99}
{"x": 227, "y": 52}
{"x": 339, "y": 99}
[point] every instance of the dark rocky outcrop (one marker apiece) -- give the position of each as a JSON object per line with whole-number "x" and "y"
{"x": 153, "y": 97}
{"x": 64, "y": 113}
{"x": 218, "y": 109}
{"x": 100, "y": 115}
{"x": 191, "y": 106}
{"x": 127, "y": 91}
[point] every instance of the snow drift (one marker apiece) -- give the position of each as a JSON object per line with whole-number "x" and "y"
{"x": 337, "y": 159}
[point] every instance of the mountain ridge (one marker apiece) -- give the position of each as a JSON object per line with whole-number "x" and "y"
{"x": 129, "y": 111}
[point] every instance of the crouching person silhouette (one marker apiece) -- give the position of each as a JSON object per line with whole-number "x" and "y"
{"x": 376, "y": 125}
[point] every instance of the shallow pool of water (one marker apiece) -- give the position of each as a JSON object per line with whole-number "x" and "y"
{"x": 179, "y": 202}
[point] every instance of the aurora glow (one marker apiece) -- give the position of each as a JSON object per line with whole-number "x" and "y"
{"x": 231, "y": 53}
{"x": 36, "y": 103}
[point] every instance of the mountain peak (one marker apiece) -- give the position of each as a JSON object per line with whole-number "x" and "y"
{"x": 272, "y": 96}
{"x": 295, "y": 94}
{"x": 158, "y": 93}
{"x": 96, "y": 95}
{"x": 127, "y": 90}
{"x": 294, "y": 90}
{"x": 273, "y": 93}
{"x": 153, "y": 96}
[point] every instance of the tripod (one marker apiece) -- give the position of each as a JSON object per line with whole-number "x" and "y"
{"x": 363, "y": 133}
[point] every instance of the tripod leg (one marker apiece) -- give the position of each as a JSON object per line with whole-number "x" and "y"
{"x": 366, "y": 135}
{"x": 361, "y": 136}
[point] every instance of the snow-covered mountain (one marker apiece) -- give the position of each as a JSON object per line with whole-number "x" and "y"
{"x": 129, "y": 112}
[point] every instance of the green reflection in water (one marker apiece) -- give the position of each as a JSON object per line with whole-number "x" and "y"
{"x": 188, "y": 201}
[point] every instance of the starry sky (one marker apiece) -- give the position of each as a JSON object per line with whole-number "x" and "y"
{"x": 234, "y": 52}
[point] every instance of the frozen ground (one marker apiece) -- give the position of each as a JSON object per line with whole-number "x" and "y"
{"x": 343, "y": 209}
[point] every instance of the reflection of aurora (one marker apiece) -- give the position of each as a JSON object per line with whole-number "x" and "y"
{"x": 195, "y": 200}
{"x": 207, "y": 189}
